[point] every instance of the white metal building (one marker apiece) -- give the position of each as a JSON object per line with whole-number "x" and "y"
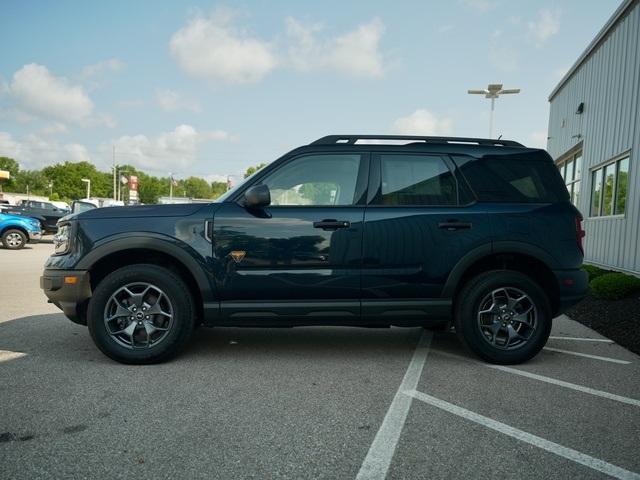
{"x": 594, "y": 136}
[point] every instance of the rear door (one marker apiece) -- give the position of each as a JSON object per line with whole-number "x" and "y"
{"x": 301, "y": 256}
{"x": 419, "y": 222}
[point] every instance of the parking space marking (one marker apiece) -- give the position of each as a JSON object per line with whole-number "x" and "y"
{"x": 587, "y": 355}
{"x": 376, "y": 463}
{"x": 549, "y": 446}
{"x": 6, "y": 355}
{"x": 581, "y": 339}
{"x": 550, "y": 380}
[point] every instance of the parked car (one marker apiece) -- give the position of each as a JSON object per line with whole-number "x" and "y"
{"x": 45, "y": 212}
{"x": 477, "y": 232}
{"x": 16, "y": 231}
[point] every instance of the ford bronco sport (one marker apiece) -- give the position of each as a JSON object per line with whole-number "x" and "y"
{"x": 349, "y": 230}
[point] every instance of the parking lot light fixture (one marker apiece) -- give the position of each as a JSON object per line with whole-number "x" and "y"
{"x": 493, "y": 91}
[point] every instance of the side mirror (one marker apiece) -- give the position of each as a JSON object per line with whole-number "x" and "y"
{"x": 257, "y": 196}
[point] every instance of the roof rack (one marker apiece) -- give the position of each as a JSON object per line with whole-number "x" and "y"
{"x": 352, "y": 139}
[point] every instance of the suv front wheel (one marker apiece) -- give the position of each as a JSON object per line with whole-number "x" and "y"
{"x": 141, "y": 314}
{"x": 503, "y": 317}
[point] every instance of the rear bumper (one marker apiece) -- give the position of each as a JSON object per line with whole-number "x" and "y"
{"x": 67, "y": 294}
{"x": 573, "y": 287}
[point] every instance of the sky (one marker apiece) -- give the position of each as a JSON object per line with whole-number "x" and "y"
{"x": 209, "y": 89}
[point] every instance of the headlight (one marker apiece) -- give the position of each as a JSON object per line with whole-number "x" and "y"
{"x": 62, "y": 239}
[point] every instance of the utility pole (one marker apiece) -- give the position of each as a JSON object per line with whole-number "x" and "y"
{"x": 493, "y": 91}
{"x": 115, "y": 174}
{"x": 170, "y": 186}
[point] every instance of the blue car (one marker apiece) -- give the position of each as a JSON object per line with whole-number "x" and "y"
{"x": 16, "y": 231}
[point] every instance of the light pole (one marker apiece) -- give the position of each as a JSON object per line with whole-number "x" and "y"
{"x": 493, "y": 91}
{"x": 88, "y": 182}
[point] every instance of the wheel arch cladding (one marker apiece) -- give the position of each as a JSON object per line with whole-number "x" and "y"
{"x": 117, "y": 253}
{"x": 534, "y": 264}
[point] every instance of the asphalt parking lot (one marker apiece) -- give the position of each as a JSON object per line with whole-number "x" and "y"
{"x": 305, "y": 403}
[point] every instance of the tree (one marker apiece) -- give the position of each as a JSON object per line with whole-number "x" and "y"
{"x": 251, "y": 170}
{"x": 67, "y": 180}
{"x": 218, "y": 188}
{"x": 10, "y": 165}
{"x": 195, "y": 187}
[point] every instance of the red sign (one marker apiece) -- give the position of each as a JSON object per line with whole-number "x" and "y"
{"x": 133, "y": 183}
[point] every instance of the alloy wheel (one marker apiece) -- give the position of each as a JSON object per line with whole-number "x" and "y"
{"x": 507, "y": 318}
{"x": 138, "y": 315}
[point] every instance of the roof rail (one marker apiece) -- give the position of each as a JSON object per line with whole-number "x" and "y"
{"x": 352, "y": 139}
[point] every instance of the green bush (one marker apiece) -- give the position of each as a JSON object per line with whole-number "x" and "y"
{"x": 614, "y": 286}
{"x": 595, "y": 272}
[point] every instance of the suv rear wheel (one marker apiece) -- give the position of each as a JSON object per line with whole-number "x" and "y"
{"x": 141, "y": 314}
{"x": 503, "y": 317}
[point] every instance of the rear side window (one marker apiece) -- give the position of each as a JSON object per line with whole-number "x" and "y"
{"x": 416, "y": 180}
{"x": 521, "y": 178}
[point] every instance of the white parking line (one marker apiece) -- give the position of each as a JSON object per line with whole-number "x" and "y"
{"x": 586, "y": 355}
{"x": 553, "y": 381}
{"x": 552, "y": 447}
{"x": 6, "y": 355}
{"x": 376, "y": 463}
{"x": 581, "y": 339}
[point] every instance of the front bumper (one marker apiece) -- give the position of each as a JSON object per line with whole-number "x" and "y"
{"x": 34, "y": 237}
{"x": 574, "y": 286}
{"x": 69, "y": 290}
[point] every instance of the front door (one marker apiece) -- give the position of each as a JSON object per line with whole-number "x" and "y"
{"x": 300, "y": 257}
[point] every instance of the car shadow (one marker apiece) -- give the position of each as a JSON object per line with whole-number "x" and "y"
{"x": 54, "y": 338}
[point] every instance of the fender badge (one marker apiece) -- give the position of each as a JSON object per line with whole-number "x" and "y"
{"x": 237, "y": 255}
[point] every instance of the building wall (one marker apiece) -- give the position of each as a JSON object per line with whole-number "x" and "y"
{"x": 608, "y": 83}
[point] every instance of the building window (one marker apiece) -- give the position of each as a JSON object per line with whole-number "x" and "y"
{"x": 571, "y": 170}
{"x": 609, "y": 186}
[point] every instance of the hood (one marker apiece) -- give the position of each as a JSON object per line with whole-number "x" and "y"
{"x": 5, "y": 217}
{"x": 174, "y": 210}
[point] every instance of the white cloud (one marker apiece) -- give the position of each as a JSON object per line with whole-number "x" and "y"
{"x": 545, "y": 26}
{"x": 34, "y": 151}
{"x": 170, "y": 151}
{"x": 355, "y": 53}
{"x": 170, "y": 101}
{"x": 502, "y": 55}
{"x": 100, "y": 68}
{"x": 39, "y": 93}
{"x": 538, "y": 139}
{"x": 422, "y": 122}
{"x": 213, "y": 49}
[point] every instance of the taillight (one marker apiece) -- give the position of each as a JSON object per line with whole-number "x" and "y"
{"x": 579, "y": 233}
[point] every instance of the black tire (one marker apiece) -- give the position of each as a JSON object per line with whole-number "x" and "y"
{"x": 182, "y": 309}
{"x": 14, "y": 239}
{"x": 468, "y": 305}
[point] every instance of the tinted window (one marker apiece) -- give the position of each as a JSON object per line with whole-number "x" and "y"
{"x": 416, "y": 180}
{"x": 315, "y": 180}
{"x": 523, "y": 178}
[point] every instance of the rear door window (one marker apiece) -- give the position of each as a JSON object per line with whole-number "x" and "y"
{"x": 415, "y": 180}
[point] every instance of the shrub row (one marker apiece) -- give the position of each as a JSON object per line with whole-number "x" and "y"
{"x": 614, "y": 286}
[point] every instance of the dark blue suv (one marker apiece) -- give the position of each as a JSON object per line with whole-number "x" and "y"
{"x": 349, "y": 230}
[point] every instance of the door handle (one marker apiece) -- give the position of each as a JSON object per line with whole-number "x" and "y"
{"x": 454, "y": 225}
{"x": 331, "y": 224}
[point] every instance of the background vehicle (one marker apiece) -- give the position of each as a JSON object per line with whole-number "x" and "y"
{"x": 45, "y": 212}
{"x": 337, "y": 233}
{"x": 17, "y": 231}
